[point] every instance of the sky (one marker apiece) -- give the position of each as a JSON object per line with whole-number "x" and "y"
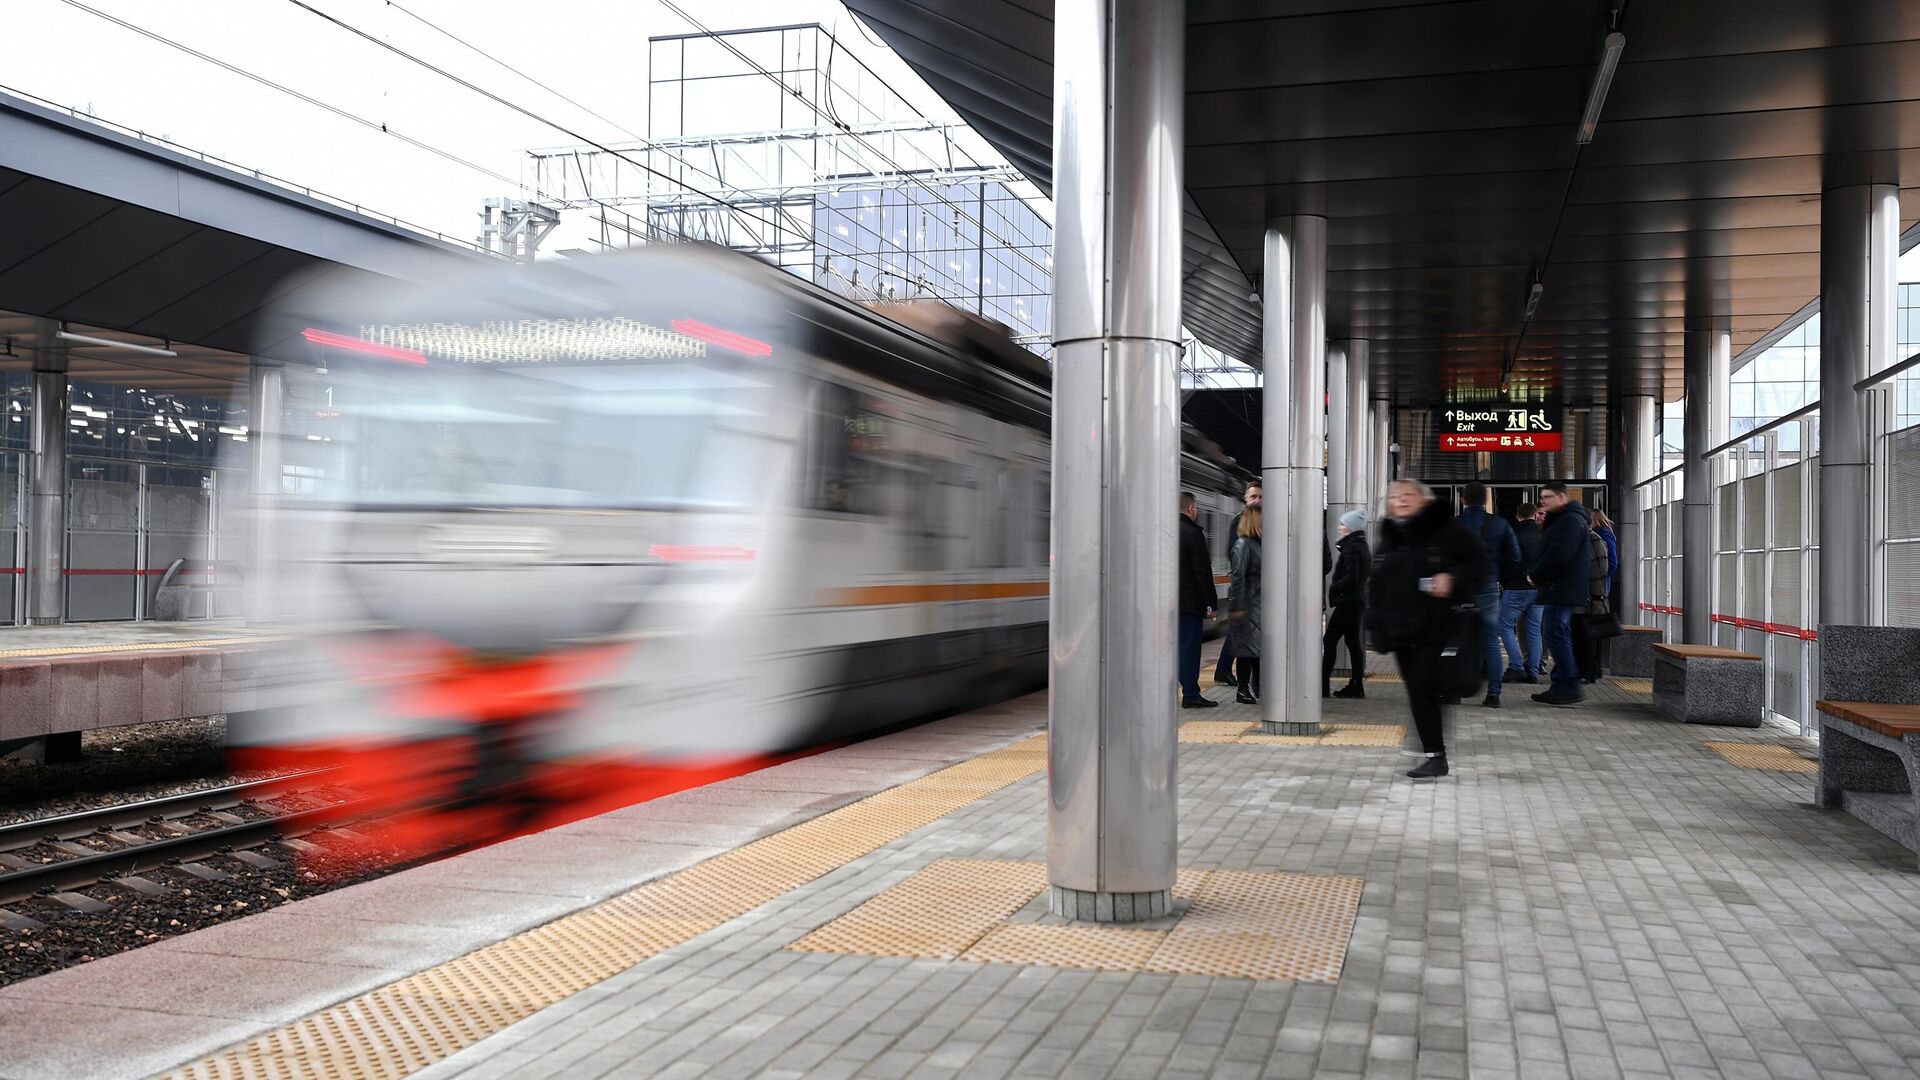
{"x": 592, "y": 51}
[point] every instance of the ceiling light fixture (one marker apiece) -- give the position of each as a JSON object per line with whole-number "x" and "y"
{"x": 130, "y": 346}
{"x": 1533, "y": 300}
{"x": 1602, "y": 82}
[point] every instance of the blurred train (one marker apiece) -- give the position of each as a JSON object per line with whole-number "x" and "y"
{"x": 555, "y": 539}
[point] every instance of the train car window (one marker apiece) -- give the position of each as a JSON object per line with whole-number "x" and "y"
{"x": 1042, "y": 535}
{"x": 855, "y": 465}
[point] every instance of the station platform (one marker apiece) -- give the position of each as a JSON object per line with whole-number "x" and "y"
{"x": 1595, "y": 892}
{"x": 81, "y": 676}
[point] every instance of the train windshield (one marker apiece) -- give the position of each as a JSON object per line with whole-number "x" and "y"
{"x": 652, "y": 435}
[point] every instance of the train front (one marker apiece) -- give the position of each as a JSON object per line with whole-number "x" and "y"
{"x": 516, "y": 514}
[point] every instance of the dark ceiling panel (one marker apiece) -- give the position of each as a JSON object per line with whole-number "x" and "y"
{"x": 101, "y": 248}
{"x": 131, "y": 297}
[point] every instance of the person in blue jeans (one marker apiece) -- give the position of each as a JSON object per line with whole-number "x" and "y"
{"x": 1519, "y": 615}
{"x": 1561, "y": 573}
{"x": 1503, "y": 558}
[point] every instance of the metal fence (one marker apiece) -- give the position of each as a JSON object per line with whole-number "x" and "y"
{"x": 1766, "y": 580}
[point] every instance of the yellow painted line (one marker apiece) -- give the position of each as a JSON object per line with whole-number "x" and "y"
{"x": 131, "y": 646}
{"x": 407, "y": 1025}
{"x": 1333, "y": 734}
{"x": 1764, "y": 756}
{"x": 1237, "y": 924}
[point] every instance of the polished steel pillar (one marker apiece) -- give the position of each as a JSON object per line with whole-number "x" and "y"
{"x": 266, "y": 406}
{"x": 1339, "y": 448}
{"x": 1859, "y": 245}
{"x": 1359, "y": 427}
{"x": 1118, "y": 141}
{"x": 47, "y": 491}
{"x": 1706, "y": 356}
{"x": 1293, "y": 345}
{"x": 1635, "y": 433}
{"x": 1381, "y": 459}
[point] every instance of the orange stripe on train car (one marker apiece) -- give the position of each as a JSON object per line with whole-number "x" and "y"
{"x": 869, "y": 595}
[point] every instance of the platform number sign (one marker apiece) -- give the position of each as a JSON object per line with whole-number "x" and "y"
{"x": 1515, "y": 427}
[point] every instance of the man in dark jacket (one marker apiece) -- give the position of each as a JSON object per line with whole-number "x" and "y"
{"x": 1346, "y": 603}
{"x": 1197, "y": 601}
{"x": 1519, "y": 618}
{"x": 1427, "y": 563}
{"x": 1560, "y": 573}
{"x": 1503, "y": 555}
{"x": 1223, "y": 671}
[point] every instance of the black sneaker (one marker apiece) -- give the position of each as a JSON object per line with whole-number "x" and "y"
{"x": 1450, "y": 699}
{"x": 1246, "y": 698}
{"x": 1492, "y": 701}
{"x": 1351, "y": 692}
{"x": 1523, "y": 677}
{"x": 1202, "y": 703}
{"x": 1551, "y": 698}
{"x": 1433, "y": 768}
{"x": 1228, "y": 681}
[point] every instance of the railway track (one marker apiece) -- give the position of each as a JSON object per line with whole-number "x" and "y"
{"x": 51, "y": 857}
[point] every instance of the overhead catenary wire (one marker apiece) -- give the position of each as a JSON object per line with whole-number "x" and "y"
{"x": 792, "y": 223}
{"x": 291, "y": 92}
{"x": 526, "y": 112}
{"x": 898, "y": 169}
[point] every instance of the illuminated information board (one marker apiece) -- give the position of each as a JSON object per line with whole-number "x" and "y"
{"x": 1499, "y": 427}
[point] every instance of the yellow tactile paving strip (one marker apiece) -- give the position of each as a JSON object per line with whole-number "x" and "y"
{"x": 1336, "y": 734}
{"x": 1763, "y": 756}
{"x": 1239, "y": 924}
{"x": 129, "y": 646}
{"x": 410, "y": 1024}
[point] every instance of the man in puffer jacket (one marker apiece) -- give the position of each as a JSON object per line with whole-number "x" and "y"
{"x": 1562, "y": 573}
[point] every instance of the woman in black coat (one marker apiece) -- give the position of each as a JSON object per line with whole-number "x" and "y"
{"x": 1243, "y": 606}
{"x": 1427, "y": 564}
{"x": 1346, "y": 603}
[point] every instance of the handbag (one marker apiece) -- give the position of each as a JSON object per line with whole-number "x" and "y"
{"x": 1463, "y": 662}
{"x": 1602, "y": 623}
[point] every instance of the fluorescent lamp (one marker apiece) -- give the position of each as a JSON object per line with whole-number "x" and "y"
{"x": 1533, "y": 300}
{"x": 1602, "y": 82}
{"x": 151, "y": 350}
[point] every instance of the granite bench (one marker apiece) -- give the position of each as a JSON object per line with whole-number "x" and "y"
{"x": 1632, "y": 654}
{"x": 1707, "y": 684}
{"x": 1870, "y": 765}
{"x": 1869, "y": 715}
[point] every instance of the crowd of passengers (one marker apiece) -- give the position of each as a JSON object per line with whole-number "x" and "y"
{"x": 1459, "y": 600}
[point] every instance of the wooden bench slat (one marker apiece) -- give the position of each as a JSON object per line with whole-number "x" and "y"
{"x": 1892, "y": 721}
{"x": 1702, "y": 652}
{"x": 1631, "y": 629}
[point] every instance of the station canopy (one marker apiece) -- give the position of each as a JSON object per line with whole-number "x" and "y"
{"x": 1438, "y": 137}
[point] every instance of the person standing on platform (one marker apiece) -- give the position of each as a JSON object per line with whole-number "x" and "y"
{"x": 1243, "y": 605}
{"x": 1519, "y": 615}
{"x": 1502, "y": 549}
{"x": 1603, "y": 525}
{"x": 1425, "y": 561}
{"x": 1560, "y": 572}
{"x": 1223, "y": 671}
{"x": 1588, "y": 642}
{"x": 1198, "y": 598}
{"x": 1347, "y": 603}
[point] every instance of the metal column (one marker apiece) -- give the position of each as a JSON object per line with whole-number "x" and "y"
{"x": 266, "y": 406}
{"x": 1634, "y": 433}
{"x": 1381, "y": 459}
{"x": 1293, "y": 345}
{"x": 1859, "y": 242}
{"x": 1359, "y": 428}
{"x": 47, "y": 492}
{"x": 1339, "y": 447}
{"x": 1707, "y": 354}
{"x": 1118, "y": 99}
